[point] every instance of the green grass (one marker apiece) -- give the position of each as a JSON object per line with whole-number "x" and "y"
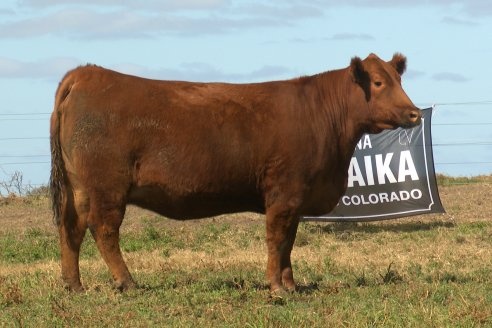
{"x": 366, "y": 291}
{"x": 213, "y": 298}
{"x": 429, "y": 271}
{"x": 445, "y": 180}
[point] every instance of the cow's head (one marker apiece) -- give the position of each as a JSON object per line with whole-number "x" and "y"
{"x": 388, "y": 105}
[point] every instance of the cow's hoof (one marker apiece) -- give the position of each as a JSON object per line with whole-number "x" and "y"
{"x": 278, "y": 294}
{"x": 73, "y": 286}
{"x": 291, "y": 290}
{"x": 125, "y": 285}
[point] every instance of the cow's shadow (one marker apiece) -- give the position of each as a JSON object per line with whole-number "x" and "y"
{"x": 370, "y": 227}
{"x": 308, "y": 288}
{"x": 305, "y": 289}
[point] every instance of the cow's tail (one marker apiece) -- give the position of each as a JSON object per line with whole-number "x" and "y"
{"x": 58, "y": 179}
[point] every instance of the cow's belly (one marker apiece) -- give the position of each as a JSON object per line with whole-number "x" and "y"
{"x": 194, "y": 205}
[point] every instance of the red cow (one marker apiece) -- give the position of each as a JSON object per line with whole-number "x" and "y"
{"x": 191, "y": 150}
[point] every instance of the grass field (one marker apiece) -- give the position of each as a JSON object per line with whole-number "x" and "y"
{"x": 424, "y": 271}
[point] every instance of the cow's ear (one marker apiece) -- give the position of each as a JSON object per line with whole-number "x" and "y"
{"x": 360, "y": 76}
{"x": 357, "y": 70}
{"x": 399, "y": 62}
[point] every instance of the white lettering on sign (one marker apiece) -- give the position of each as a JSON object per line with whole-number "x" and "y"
{"x": 406, "y": 168}
{"x": 383, "y": 168}
{"x": 405, "y": 138}
{"x": 382, "y": 197}
{"x": 355, "y": 175}
{"x": 364, "y": 143}
{"x": 369, "y": 174}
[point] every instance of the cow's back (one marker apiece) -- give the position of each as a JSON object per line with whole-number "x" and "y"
{"x": 180, "y": 148}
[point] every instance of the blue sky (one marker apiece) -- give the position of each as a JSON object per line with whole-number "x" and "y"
{"x": 448, "y": 44}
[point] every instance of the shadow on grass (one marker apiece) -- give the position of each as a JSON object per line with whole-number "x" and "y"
{"x": 301, "y": 289}
{"x": 253, "y": 287}
{"x": 384, "y": 227}
{"x": 307, "y": 289}
{"x": 212, "y": 285}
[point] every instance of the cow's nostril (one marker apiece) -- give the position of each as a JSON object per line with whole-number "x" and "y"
{"x": 414, "y": 116}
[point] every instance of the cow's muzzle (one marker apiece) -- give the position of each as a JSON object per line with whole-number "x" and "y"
{"x": 414, "y": 117}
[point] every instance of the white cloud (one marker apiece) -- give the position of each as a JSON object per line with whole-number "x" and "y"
{"x": 105, "y": 19}
{"x": 265, "y": 7}
{"x": 350, "y": 36}
{"x": 469, "y": 7}
{"x": 149, "y": 5}
{"x": 132, "y": 19}
{"x": 413, "y": 74}
{"x": 336, "y": 37}
{"x": 87, "y": 23}
{"x": 285, "y": 10}
{"x": 451, "y": 77}
{"x": 55, "y": 68}
{"x": 478, "y": 7}
{"x": 458, "y": 21}
{"x": 5, "y": 12}
{"x": 202, "y": 72}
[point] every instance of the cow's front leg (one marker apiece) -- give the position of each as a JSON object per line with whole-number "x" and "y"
{"x": 281, "y": 228}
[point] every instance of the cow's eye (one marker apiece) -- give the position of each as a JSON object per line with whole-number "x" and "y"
{"x": 378, "y": 83}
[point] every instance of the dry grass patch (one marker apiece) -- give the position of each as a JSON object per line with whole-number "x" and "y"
{"x": 424, "y": 271}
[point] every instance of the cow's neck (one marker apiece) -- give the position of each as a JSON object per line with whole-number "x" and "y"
{"x": 343, "y": 104}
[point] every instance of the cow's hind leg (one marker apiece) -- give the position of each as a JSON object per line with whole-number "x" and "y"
{"x": 72, "y": 229}
{"x": 105, "y": 218}
{"x": 281, "y": 227}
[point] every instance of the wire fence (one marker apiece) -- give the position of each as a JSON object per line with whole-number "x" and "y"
{"x": 11, "y": 159}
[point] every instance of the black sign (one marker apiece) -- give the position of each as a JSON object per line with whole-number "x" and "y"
{"x": 391, "y": 175}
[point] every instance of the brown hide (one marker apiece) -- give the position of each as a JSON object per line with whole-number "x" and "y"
{"x": 192, "y": 150}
